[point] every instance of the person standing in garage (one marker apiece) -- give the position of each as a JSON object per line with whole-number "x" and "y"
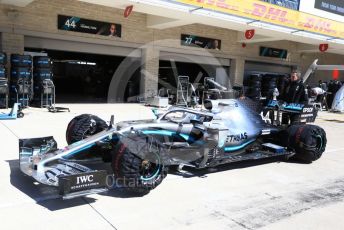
{"x": 295, "y": 91}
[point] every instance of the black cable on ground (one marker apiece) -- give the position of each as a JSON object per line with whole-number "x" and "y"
{"x": 9, "y": 130}
{"x": 101, "y": 215}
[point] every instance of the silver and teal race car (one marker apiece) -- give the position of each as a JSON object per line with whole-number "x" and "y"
{"x": 141, "y": 152}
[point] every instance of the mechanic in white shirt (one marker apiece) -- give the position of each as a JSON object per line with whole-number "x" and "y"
{"x": 317, "y": 91}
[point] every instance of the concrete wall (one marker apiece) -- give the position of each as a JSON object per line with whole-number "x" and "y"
{"x": 39, "y": 19}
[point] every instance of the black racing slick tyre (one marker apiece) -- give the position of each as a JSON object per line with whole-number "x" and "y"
{"x": 138, "y": 164}
{"x": 18, "y": 60}
{"x": 42, "y": 62}
{"x": 3, "y": 72}
{"x": 255, "y": 84}
{"x": 255, "y": 77}
{"x": 3, "y": 58}
{"x": 20, "y": 73}
{"x": 42, "y": 74}
{"x": 82, "y": 126}
{"x": 308, "y": 142}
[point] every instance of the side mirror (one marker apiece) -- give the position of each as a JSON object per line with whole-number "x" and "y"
{"x": 112, "y": 120}
{"x": 155, "y": 112}
{"x": 196, "y": 122}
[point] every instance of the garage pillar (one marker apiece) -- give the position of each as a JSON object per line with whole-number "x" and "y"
{"x": 11, "y": 43}
{"x": 237, "y": 71}
{"x": 149, "y": 71}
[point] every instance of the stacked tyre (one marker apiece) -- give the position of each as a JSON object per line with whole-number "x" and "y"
{"x": 43, "y": 84}
{"x": 253, "y": 90}
{"x": 282, "y": 84}
{"x": 269, "y": 83}
{"x": 3, "y": 81}
{"x": 21, "y": 79}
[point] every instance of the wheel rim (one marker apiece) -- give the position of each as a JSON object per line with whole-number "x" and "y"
{"x": 91, "y": 130}
{"x": 319, "y": 145}
{"x": 150, "y": 170}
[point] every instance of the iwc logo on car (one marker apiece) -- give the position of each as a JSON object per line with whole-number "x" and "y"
{"x": 84, "y": 179}
{"x": 236, "y": 137}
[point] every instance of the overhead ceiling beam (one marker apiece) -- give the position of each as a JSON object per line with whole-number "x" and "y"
{"x": 21, "y": 3}
{"x": 257, "y": 38}
{"x": 157, "y": 22}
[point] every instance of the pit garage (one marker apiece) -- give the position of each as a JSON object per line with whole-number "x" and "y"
{"x": 196, "y": 68}
{"x": 83, "y": 71}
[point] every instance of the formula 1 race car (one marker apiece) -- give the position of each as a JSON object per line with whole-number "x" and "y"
{"x": 140, "y": 152}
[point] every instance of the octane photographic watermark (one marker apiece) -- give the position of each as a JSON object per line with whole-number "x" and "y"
{"x": 114, "y": 182}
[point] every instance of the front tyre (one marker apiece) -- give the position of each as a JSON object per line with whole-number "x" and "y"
{"x": 138, "y": 164}
{"x": 83, "y": 126}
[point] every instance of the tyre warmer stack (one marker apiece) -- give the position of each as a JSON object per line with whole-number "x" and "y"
{"x": 253, "y": 90}
{"x": 3, "y": 82}
{"x": 21, "y": 79}
{"x": 44, "y": 88}
{"x": 263, "y": 85}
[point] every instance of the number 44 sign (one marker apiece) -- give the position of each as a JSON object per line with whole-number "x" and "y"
{"x": 70, "y": 23}
{"x": 249, "y": 34}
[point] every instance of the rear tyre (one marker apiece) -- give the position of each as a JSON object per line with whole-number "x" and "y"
{"x": 308, "y": 141}
{"x": 138, "y": 164}
{"x": 83, "y": 126}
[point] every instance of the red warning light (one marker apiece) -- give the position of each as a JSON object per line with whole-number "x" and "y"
{"x": 335, "y": 74}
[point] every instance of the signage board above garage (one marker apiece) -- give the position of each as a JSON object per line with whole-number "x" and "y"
{"x": 272, "y": 52}
{"x": 291, "y": 4}
{"x": 202, "y": 42}
{"x": 76, "y": 24}
{"x": 332, "y": 6}
{"x": 265, "y": 12}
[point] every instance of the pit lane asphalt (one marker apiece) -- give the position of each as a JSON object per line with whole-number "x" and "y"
{"x": 266, "y": 194}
